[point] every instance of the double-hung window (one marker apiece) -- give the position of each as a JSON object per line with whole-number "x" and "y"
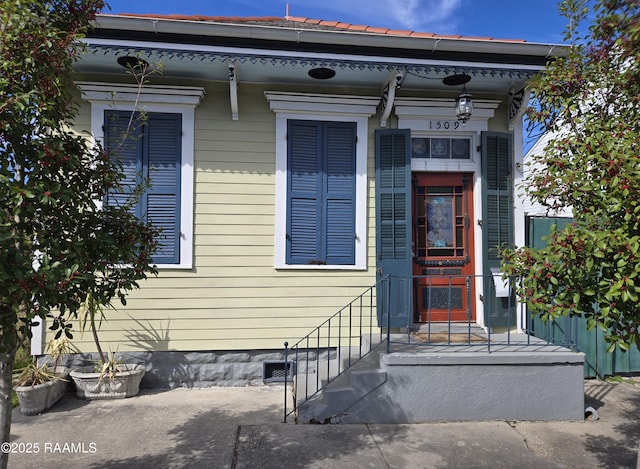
{"x": 321, "y": 179}
{"x": 321, "y": 191}
{"x": 148, "y": 148}
{"x": 158, "y": 126}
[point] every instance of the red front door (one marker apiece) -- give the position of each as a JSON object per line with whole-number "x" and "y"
{"x": 443, "y": 247}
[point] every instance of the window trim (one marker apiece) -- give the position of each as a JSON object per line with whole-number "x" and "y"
{"x": 335, "y": 108}
{"x": 162, "y": 99}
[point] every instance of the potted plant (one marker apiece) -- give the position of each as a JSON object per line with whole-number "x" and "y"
{"x": 108, "y": 378}
{"x": 39, "y": 387}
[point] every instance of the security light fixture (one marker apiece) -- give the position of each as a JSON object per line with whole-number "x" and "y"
{"x": 464, "y": 103}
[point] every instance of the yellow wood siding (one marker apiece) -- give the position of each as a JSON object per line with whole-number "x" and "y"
{"x": 233, "y": 298}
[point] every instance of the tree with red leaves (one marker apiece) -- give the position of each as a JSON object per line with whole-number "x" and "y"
{"x": 58, "y": 242}
{"x": 590, "y": 103}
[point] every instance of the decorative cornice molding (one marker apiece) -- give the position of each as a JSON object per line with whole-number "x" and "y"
{"x": 439, "y": 107}
{"x": 123, "y": 93}
{"x": 323, "y": 103}
{"x": 157, "y": 53}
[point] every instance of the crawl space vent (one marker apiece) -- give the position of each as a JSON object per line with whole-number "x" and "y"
{"x": 275, "y": 371}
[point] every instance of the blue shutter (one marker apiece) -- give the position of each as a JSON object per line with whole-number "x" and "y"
{"x": 393, "y": 224}
{"x": 124, "y": 144}
{"x": 393, "y": 172}
{"x": 497, "y": 219}
{"x": 496, "y": 172}
{"x": 340, "y": 193}
{"x": 321, "y": 186}
{"x": 149, "y": 150}
{"x": 162, "y": 167}
{"x": 304, "y": 193}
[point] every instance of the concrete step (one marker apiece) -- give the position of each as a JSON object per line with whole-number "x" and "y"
{"x": 337, "y": 397}
{"x": 367, "y": 379}
{"x": 309, "y": 381}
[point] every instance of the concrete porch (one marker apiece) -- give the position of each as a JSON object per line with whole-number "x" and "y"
{"x": 501, "y": 377}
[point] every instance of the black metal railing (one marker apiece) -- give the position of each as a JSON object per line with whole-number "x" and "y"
{"x": 383, "y": 314}
{"x": 336, "y": 345}
{"x": 503, "y": 320}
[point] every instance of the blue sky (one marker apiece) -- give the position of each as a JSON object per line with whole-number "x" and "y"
{"x": 532, "y": 20}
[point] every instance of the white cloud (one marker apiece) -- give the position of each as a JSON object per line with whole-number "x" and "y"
{"x": 438, "y": 16}
{"x": 426, "y": 15}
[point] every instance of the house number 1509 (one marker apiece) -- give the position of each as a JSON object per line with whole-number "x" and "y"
{"x": 443, "y": 125}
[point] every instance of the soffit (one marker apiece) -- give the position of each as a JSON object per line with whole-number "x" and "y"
{"x": 277, "y": 54}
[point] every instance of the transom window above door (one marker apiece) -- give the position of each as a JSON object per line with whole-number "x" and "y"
{"x": 441, "y": 148}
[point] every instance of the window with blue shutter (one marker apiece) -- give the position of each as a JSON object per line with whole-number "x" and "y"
{"x": 321, "y": 190}
{"x": 149, "y": 149}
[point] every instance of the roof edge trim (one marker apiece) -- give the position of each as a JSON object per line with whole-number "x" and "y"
{"x": 330, "y": 37}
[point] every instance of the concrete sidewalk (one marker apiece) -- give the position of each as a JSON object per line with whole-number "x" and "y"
{"x": 242, "y": 428}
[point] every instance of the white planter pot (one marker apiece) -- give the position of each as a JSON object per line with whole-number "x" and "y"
{"x": 36, "y": 399}
{"x": 124, "y": 384}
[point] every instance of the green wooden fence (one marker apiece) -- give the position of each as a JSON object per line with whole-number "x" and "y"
{"x": 597, "y": 361}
